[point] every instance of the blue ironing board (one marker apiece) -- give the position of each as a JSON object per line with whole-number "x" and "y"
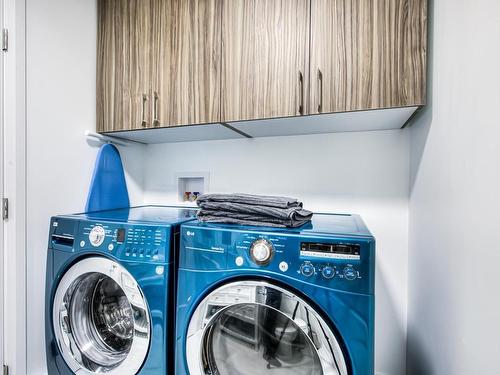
{"x": 108, "y": 189}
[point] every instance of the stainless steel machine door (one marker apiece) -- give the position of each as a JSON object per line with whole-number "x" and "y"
{"x": 254, "y": 327}
{"x": 101, "y": 319}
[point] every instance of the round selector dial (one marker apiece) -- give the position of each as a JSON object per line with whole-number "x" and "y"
{"x": 261, "y": 252}
{"x": 97, "y": 236}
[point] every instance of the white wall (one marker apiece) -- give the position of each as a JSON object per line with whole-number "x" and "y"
{"x": 61, "y": 48}
{"x": 365, "y": 173}
{"x": 454, "y": 303}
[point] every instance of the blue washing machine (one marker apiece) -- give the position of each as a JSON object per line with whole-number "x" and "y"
{"x": 109, "y": 291}
{"x": 256, "y": 301}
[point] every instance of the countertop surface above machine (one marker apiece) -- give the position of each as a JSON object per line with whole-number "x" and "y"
{"x": 321, "y": 224}
{"x": 143, "y": 214}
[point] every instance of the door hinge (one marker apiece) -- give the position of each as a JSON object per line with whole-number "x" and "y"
{"x": 5, "y": 40}
{"x": 5, "y": 370}
{"x": 5, "y": 208}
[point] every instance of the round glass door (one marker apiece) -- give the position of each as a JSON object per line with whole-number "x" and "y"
{"x": 249, "y": 328}
{"x": 100, "y": 319}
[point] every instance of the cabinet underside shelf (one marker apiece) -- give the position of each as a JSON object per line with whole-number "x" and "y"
{"x": 369, "y": 120}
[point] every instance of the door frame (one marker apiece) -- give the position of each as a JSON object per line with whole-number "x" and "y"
{"x": 14, "y": 187}
{"x": 2, "y": 147}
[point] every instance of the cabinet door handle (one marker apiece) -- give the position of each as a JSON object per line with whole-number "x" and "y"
{"x": 301, "y": 93}
{"x": 144, "y": 100}
{"x": 156, "y": 122}
{"x": 320, "y": 93}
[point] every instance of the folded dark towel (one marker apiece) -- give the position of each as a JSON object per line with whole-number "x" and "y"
{"x": 257, "y": 200}
{"x": 248, "y": 209}
{"x": 295, "y": 220}
{"x": 229, "y": 220}
{"x": 279, "y": 213}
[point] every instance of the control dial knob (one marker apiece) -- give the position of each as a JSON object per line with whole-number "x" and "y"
{"x": 261, "y": 252}
{"x": 97, "y": 235}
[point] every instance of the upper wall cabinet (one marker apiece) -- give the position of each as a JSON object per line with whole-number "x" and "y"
{"x": 367, "y": 54}
{"x": 361, "y": 64}
{"x": 264, "y": 58}
{"x": 158, "y": 63}
{"x": 187, "y": 54}
{"x": 124, "y": 63}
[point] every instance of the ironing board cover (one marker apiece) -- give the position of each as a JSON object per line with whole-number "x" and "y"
{"x": 108, "y": 189}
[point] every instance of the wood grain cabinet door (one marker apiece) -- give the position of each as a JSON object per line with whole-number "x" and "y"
{"x": 367, "y": 54}
{"x": 186, "y": 49}
{"x": 264, "y": 58}
{"x": 124, "y": 64}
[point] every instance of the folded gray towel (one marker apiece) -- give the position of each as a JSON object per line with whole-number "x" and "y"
{"x": 229, "y": 220}
{"x": 247, "y": 209}
{"x": 278, "y": 213}
{"x": 257, "y": 200}
{"x": 296, "y": 219}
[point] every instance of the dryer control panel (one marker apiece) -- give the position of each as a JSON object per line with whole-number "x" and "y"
{"x": 132, "y": 242}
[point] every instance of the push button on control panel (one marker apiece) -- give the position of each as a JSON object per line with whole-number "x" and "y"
{"x": 239, "y": 261}
{"x": 307, "y": 269}
{"x": 328, "y": 272}
{"x": 350, "y": 273}
{"x": 283, "y": 266}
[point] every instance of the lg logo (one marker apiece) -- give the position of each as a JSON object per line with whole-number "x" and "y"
{"x": 190, "y": 234}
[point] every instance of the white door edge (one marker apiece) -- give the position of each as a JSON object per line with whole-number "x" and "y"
{"x": 14, "y": 186}
{"x": 2, "y": 147}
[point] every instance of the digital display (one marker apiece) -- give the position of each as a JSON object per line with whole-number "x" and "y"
{"x": 120, "y": 235}
{"x": 329, "y": 250}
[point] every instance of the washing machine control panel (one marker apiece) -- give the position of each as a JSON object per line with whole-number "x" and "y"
{"x": 338, "y": 263}
{"x": 333, "y": 263}
{"x": 128, "y": 242}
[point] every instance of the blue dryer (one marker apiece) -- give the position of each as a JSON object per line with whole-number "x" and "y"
{"x": 256, "y": 301}
{"x": 110, "y": 291}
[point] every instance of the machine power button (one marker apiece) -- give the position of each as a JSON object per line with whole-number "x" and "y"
{"x": 307, "y": 269}
{"x": 283, "y": 266}
{"x": 239, "y": 261}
